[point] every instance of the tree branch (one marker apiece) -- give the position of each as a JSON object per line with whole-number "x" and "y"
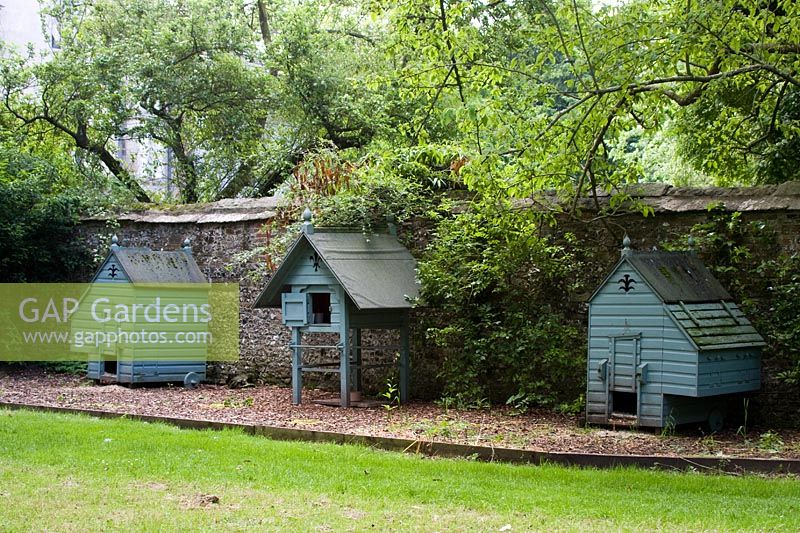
{"x": 433, "y": 102}
{"x": 583, "y": 44}
{"x": 443, "y": 18}
{"x": 586, "y": 170}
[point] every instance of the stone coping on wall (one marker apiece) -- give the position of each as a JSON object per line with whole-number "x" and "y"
{"x": 229, "y": 210}
{"x": 661, "y": 197}
{"x": 665, "y": 198}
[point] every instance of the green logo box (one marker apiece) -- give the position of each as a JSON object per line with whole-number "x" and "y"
{"x": 156, "y": 321}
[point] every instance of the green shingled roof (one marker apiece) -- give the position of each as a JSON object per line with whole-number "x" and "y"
{"x": 678, "y": 276}
{"x": 716, "y": 325}
{"x": 376, "y": 271}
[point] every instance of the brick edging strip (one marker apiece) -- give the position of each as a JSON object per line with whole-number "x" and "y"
{"x": 443, "y": 449}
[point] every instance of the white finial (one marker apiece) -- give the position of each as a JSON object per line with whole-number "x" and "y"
{"x": 187, "y": 246}
{"x": 308, "y": 227}
{"x": 115, "y": 241}
{"x": 626, "y": 245}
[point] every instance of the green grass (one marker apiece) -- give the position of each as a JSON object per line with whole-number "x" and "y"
{"x": 66, "y": 472}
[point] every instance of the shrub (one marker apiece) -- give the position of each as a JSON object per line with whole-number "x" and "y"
{"x": 37, "y": 234}
{"x": 507, "y": 327}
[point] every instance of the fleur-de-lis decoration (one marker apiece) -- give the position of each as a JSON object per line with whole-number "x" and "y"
{"x": 112, "y": 271}
{"x": 626, "y": 283}
{"x": 315, "y": 259}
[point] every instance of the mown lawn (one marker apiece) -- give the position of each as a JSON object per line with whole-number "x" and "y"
{"x": 69, "y": 472}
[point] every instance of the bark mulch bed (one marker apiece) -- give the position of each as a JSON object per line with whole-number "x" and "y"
{"x": 542, "y": 430}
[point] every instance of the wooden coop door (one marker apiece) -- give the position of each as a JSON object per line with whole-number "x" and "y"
{"x": 622, "y": 394}
{"x": 624, "y": 355}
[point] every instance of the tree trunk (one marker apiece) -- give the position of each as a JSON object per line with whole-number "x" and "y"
{"x": 263, "y": 24}
{"x": 118, "y": 170}
{"x": 81, "y": 138}
{"x": 242, "y": 177}
{"x": 186, "y": 170}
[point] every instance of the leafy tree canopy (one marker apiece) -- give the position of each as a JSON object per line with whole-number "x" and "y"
{"x": 540, "y": 93}
{"x": 236, "y": 91}
{"x": 527, "y": 95}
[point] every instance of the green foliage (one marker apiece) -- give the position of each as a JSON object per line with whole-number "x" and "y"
{"x": 669, "y": 428}
{"x": 770, "y": 442}
{"x": 782, "y": 321}
{"x": 189, "y": 69}
{"x": 237, "y": 91}
{"x": 743, "y": 131}
{"x": 77, "y": 368}
{"x": 539, "y": 95}
{"x": 233, "y": 403}
{"x": 510, "y": 332}
{"x": 79, "y": 96}
{"x": 445, "y": 428}
{"x": 508, "y": 99}
{"x": 573, "y": 407}
{"x": 343, "y": 191}
{"x": 391, "y": 396}
{"x": 371, "y": 199}
{"x": 657, "y": 155}
{"x": 733, "y": 246}
{"x": 326, "y": 53}
{"x": 37, "y": 241}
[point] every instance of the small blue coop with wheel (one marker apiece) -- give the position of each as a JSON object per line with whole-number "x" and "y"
{"x": 152, "y": 274}
{"x": 667, "y": 344}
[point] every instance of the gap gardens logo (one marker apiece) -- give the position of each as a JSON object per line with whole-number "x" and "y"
{"x": 158, "y": 321}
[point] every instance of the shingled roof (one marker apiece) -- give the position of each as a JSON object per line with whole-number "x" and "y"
{"x": 715, "y": 325}
{"x": 143, "y": 265}
{"x": 678, "y": 276}
{"x": 376, "y": 271}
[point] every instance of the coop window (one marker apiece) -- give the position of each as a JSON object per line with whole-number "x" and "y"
{"x": 320, "y": 308}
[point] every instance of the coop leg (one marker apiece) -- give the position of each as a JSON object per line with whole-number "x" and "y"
{"x": 344, "y": 361}
{"x": 297, "y": 364}
{"x": 358, "y": 379}
{"x": 404, "y": 361}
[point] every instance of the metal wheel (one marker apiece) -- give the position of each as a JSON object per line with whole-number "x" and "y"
{"x": 191, "y": 380}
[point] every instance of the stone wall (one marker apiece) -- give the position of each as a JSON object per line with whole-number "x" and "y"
{"x": 220, "y": 231}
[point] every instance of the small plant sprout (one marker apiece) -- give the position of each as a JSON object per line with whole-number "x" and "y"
{"x": 770, "y": 442}
{"x": 742, "y": 430}
{"x": 669, "y": 427}
{"x": 392, "y": 396}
